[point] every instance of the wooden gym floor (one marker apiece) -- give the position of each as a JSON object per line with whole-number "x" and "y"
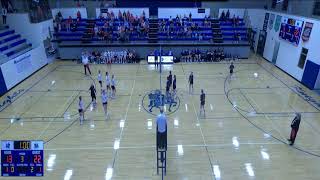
{"x": 242, "y": 136}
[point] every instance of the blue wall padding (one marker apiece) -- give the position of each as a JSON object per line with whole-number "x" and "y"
{"x": 310, "y": 74}
{"x": 3, "y": 87}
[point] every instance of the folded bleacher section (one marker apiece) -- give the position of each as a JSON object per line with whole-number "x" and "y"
{"x": 12, "y": 44}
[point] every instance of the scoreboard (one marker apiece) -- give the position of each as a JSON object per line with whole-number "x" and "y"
{"x": 22, "y": 158}
{"x": 291, "y": 30}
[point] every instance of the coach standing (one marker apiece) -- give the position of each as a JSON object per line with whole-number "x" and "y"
{"x": 294, "y": 128}
{"x": 161, "y": 130}
{"x": 85, "y": 62}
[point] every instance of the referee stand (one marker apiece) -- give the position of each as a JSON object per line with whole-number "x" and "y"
{"x": 161, "y": 152}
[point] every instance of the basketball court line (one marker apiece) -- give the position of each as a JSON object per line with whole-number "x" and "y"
{"x": 45, "y": 129}
{"x": 27, "y": 90}
{"x": 264, "y": 131}
{"x": 169, "y": 146}
{"x": 245, "y": 97}
{"x": 287, "y": 85}
{"x": 200, "y": 128}
{"x": 125, "y": 117}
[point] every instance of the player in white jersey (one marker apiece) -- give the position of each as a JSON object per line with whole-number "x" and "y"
{"x": 100, "y": 79}
{"x": 81, "y": 109}
{"x": 108, "y": 82}
{"x": 104, "y": 100}
{"x": 113, "y": 86}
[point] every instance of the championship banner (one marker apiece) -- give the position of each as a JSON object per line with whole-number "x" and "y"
{"x": 265, "y": 23}
{"x": 277, "y": 23}
{"x": 307, "y": 31}
{"x": 271, "y": 21}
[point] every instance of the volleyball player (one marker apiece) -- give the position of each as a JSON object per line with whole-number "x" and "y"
{"x": 231, "y": 67}
{"x": 100, "y": 79}
{"x": 104, "y": 99}
{"x": 174, "y": 87}
{"x": 170, "y": 79}
{"x": 93, "y": 95}
{"x": 202, "y": 102}
{"x": 191, "y": 82}
{"x": 113, "y": 86}
{"x": 81, "y": 110}
{"x": 108, "y": 82}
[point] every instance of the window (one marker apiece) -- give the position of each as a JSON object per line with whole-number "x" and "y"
{"x": 303, "y": 58}
{"x": 316, "y": 8}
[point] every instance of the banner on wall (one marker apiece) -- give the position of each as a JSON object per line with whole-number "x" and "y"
{"x": 277, "y": 23}
{"x": 23, "y": 63}
{"x": 271, "y": 21}
{"x": 265, "y": 23}
{"x": 307, "y": 31}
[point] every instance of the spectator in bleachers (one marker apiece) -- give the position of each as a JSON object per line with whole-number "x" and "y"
{"x": 73, "y": 26}
{"x": 222, "y": 16}
{"x": 237, "y": 21}
{"x": 78, "y": 16}
{"x": 4, "y": 15}
{"x": 228, "y": 15}
{"x": 68, "y": 23}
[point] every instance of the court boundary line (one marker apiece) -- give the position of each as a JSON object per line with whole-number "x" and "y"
{"x": 261, "y": 129}
{"x": 200, "y": 128}
{"x": 27, "y": 90}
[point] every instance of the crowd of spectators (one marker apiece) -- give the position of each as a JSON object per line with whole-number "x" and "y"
{"x": 196, "y": 55}
{"x": 126, "y": 25}
{"x": 69, "y": 24}
{"x": 113, "y": 57}
{"x": 226, "y": 17}
{"x": 184, "y": 27}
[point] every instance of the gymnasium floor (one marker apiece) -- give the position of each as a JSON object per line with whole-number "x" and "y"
{"x": 243, "y": 135}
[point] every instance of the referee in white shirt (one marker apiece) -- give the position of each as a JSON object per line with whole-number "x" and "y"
{"x": 161, "y": 130}
{"x": 85, "y": 62}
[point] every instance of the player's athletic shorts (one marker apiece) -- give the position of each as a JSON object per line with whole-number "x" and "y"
{"x": 113, "y": 88}
{"x": 80, "y": 110}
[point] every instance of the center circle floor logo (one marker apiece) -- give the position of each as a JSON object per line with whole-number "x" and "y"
{"x": 155, "y": 99}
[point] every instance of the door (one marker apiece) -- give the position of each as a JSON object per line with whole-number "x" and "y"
{"x": 261, "y": 42}
{"x": 275, "y": 52}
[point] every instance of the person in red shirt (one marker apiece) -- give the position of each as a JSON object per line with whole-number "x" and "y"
{"x": 294, "y": 128}
{"x": 78, "y": 16}
{"x": 69, "y": 21}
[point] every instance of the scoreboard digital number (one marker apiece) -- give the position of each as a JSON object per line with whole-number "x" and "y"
{"x": 22, "y": 158}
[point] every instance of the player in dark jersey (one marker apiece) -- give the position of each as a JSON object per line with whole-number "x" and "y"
{"x": 191, "y": 82}
{"x": 231, "y": 67}
{"x": 170, "y": 79}
{"x": 202, "y": 102}
{"x": 93, "y": 94}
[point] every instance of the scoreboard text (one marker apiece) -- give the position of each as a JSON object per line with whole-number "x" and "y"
{"x": 22, "y": 158}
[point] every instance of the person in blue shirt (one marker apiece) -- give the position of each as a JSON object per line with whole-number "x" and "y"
{"x": 161, "y": 129}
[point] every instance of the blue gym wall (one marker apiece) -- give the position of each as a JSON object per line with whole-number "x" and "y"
{"x": 153, "y": 5}
{"x": 3, "y": 87}
{"x": 310, "y": 74}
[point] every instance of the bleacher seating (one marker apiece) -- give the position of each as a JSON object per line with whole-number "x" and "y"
{"x": 203, "y": 30}
{"x": 12, "y": 44}
{"x": 228, "y": 30}
{"x": 218, "y": 34}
